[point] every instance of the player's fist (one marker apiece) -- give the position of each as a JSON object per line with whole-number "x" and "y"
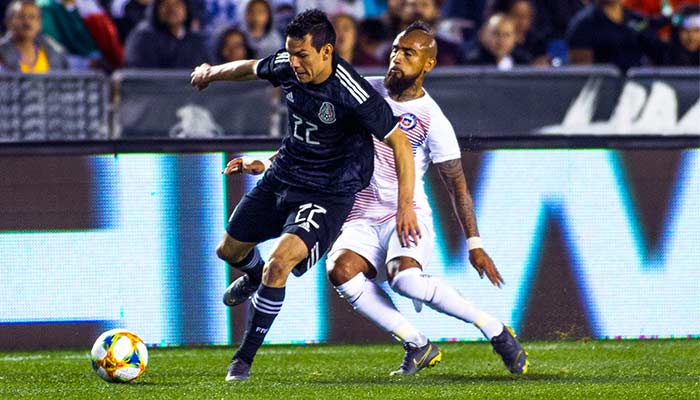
{"x": 245, "y": 165}
{"x": 199, "y": 78}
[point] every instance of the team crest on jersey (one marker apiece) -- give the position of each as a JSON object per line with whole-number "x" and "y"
{"x": 408, "y": 121}
{"x": 327, "y": 113}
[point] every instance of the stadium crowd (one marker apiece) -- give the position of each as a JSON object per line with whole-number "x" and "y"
{"x": 43, "y": 35}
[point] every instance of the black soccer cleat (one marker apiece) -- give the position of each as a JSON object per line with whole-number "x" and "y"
{"x": 239, "y": 291}
{"x": 238, "y": 370}
{"x": 417, "y": 358}
{"x": 513, "y": 355}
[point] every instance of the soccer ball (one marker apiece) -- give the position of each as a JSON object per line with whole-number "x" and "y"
{"x": 119, "y": 356}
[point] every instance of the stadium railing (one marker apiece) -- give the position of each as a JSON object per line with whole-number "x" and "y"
{"x": 156, "y": 110}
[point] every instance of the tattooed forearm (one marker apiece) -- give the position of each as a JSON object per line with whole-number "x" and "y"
{"x": 453, "y": 177}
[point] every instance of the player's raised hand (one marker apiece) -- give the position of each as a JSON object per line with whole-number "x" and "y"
{"x": 244, "y": 165}
{"x": 483, "y": 264}
{"x": 199, "y": 78}
{"x": 407, "y": 226}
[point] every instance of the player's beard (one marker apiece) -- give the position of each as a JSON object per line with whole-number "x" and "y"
{"x": 396, "y": 82}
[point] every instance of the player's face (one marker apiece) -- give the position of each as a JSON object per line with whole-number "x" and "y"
{"x": 308, "y": 63}
{"x": 406, "y": 63}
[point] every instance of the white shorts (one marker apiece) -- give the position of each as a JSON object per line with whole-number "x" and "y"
{"x": 379, "y": 243}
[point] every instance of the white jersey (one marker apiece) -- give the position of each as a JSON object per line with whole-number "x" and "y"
{"x": 433, "y": 140}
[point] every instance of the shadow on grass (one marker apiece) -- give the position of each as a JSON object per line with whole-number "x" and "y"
{"x": 439, "y": 379}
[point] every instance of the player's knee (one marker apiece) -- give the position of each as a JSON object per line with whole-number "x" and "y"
{"x": 276, "y": 271}
{"x": 229, "y": 253}
{"x": 342, "y": 266}
{"x": 340, "y": 271}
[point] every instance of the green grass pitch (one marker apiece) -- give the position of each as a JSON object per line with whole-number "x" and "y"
{"x": 655, "y": 369}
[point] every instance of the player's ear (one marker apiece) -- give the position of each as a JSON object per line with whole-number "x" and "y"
{"x": 327, "y": 51}
{"x": 429, "y": 64}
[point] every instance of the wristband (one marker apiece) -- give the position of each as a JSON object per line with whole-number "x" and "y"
{"x": 475, "y": 242}
{"x": 267, "y": 163}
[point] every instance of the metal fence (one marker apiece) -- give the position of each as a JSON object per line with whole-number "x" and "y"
{"x": 480, "y": 102}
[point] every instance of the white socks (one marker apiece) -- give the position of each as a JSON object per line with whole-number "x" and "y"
{"x": 370, "y": 300}
{"x": 438, "y": 295}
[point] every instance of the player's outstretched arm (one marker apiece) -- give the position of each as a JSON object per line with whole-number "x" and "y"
{"x": 453, "y": 177}
{"x": 205, "y": 74}
{"x": 406, "y": 221}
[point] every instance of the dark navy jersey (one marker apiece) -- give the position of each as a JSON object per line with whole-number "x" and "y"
{"x": 329, "y": 146}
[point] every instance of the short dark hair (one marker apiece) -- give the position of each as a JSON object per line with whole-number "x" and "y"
{"x": 313, "y": 22}
{"x": 419, "y": 26}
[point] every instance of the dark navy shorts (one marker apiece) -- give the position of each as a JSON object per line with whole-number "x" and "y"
{"x": 273, "y": 208}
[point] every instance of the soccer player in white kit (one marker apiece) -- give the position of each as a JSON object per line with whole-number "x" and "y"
{"x": 368, "y": 250}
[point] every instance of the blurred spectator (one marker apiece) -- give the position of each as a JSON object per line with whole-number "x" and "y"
{"x": 163, "y": 39}
{"x": 465, "y": 15}
{"x": 684, "y": 49}
{"x": 3, "y": 7}
{"x": 24, "y": 48}
{"x": 552, "y": 17}
{"x": 258, "y": 27}
{"x": 528, "y": 41}
{"x": 284, "y": 13}
{"x": 658, "y": 12}
{"x": 392, "y": 16}
{"x": 373, "y": 43}
{"x": 449, "y": 53}
{"x": 496, "y": 44}
{"x": 211, "y": 15}
{"x": 374, "y": 8}
{"x": 652, "y": 8}
{"x": 127, "y": 14}
{"x": 231, "y": 45}
{"x": 85, "y": 30}
{"x": 607, "y": 33}
{"x": 346, "y": 36}
{"x": 356, "y": 8}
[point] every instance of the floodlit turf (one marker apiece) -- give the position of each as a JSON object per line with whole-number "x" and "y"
{"x": 559, "y": 370}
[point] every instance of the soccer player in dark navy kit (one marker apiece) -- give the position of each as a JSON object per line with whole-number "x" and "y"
{"x": 309, "y": 186}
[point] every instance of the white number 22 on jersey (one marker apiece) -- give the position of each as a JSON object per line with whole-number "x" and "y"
{"x": 310, "y": 127}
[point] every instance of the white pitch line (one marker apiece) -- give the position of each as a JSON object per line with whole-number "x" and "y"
{"x": 45, "y": 356}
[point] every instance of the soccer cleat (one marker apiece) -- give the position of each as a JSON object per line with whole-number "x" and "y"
{"x": 512, "y": 353}
{"x": 239, "y": 291}
{"x": 417, "y": 358}
{"x": 238, "y": 370}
